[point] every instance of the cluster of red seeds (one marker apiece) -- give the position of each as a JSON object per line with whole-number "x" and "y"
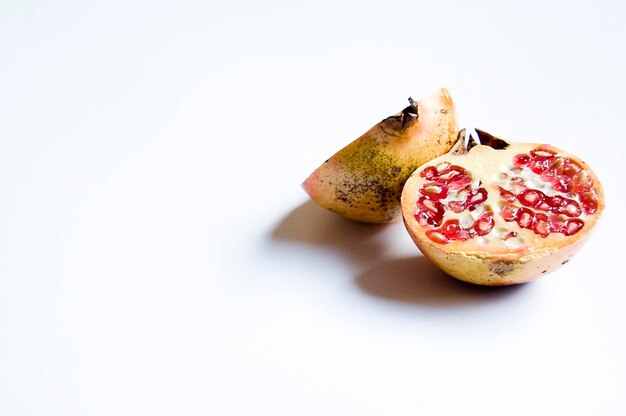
{"x": 564, "y": 174}
{"x": 558, "y": 213}
{"x": 431, "y": 209}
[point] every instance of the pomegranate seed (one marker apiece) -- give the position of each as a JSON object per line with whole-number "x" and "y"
{"x": 509, "y": 213}
{"x": 521, "y": 160}
{"x": 572, "y": 226}
{"x": 484, "y": 224}
{"x": 446, "y": 177}
{"x": 435, "y": 192}
{"x": 432, "y": 210}
{"x": 544, "y": 206}
{"x": 465, "y": 234}
{"x": 562, "y": 183}
{"x": 509, "y": 235}
{"x": 571, "y": 208}
{"x": 437, "y": 237}
{"x": 506, "y": 195}
{"x": 451, "y": 173}
{"x": 589, "y": 201}
{"x": 477, "y": 197}
{"x": 531, "y": 198}
{"x": 426, "y": 204}
{"x": 581, "y": 182}
{"x": 542, "y": 224}
{"x": 460, "y": 182}
{"x": 456, "y": 206}
{"x": 541, "y": 152}
{"x": 450, "y": 228}
{"x": 525, "y": 218}
{"x": 556, "y": 225}
{"x": 429, "y": 173}
{"x": 428, "y": 218}
{"x": 539, "y": 166}
{"x": 548, "y": 175}
{"x": 571, "y": 168}
{"x": 563, "y": 205}
{"x": 556, "y": 202}
{"x": 424, "y": 219}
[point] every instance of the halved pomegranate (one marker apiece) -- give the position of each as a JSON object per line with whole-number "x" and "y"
{"x": 500, "y": 213}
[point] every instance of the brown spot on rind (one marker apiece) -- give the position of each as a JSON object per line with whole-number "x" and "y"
{"x": 501, "y": 268}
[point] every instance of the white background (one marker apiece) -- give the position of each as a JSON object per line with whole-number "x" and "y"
{"x": 158, "y": 256}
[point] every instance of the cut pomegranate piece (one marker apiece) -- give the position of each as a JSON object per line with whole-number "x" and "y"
{"x": 546, "y": 200}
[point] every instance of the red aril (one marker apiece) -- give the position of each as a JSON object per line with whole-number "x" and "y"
{"x": 500, "y": 213}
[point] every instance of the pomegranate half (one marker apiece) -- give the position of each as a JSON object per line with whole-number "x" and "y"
{"x": 500, "y": 213}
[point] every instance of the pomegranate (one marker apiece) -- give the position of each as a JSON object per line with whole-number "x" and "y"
{"x": 363, "y": 181}
{"x": 500, "y": 213}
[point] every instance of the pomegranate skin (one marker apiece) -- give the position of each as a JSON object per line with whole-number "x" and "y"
{"x": 492, "y": 261}
{"x": 490, "y": 270}
{"x": 364, "y": 180}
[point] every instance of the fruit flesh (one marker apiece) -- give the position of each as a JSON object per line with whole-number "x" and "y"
{"x": 538, "y": 200}
{"x": 364, "y": 180}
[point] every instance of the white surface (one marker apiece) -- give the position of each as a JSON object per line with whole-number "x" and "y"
{"x": 157, "y": 255}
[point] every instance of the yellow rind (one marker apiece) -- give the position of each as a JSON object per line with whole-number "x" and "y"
{"x": 364, "y": 180}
